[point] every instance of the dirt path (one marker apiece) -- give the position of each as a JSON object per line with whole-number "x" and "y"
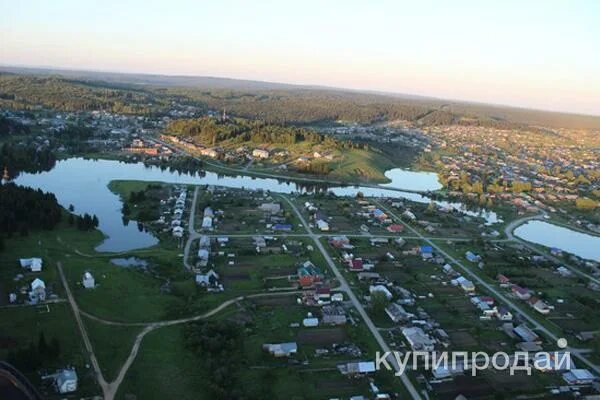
{"x": 109, "y": 390}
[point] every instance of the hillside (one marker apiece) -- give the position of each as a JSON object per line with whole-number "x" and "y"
{"x": 273, "y": 102}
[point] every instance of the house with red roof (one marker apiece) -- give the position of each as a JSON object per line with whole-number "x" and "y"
{"x": 356, "y": 265}
{"x": 395, "y": 228}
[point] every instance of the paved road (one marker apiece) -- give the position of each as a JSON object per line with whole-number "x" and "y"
{"x": 508, "y": 231}
{"x": 490, "y": 288}
{"x": 320, "y": 235}
{"x": 357, "y": 304}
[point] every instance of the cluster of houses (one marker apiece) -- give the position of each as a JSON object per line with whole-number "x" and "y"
{"x": 147, "y": 147}
{"x": 321, "y": 220}
{"x": 524, "y": 294}
{"x": 244, "y": 153}
{"x": 553, "y": 178}
{"x": 36, "y": 291}
{"x": 207, "y": 219}
{"x": 206, "y": 277}
{"x": 274, "y": 217}
{"x": 176, "y": 214}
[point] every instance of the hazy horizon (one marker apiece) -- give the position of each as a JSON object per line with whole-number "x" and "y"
{"x": 539, "y": 55}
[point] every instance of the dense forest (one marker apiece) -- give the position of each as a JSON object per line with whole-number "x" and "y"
{"x": 8, "y": 127}
{"x": 273, "y": 103}
{"x": 218, "y": 346}
{"x": 24, "y": 209}
{"x": 30, "y": 92}
{"x": 28, "y": 158}
{"x": 212, "y": 131}
{"x": 306, "y": 106}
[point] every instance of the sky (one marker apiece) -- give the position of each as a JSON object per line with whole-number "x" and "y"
{"x": 534, "y": 54}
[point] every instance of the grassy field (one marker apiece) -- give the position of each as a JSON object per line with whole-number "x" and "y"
{"x": 361, "y": 165}
{"x": 22, "y": 326}
{"x": 164, "y": 369}
{"x": 112, "y": 345}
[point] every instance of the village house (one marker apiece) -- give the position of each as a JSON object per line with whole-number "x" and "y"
{"x": 521, "y": 293}
{"x": 378, "y": 241}
{"x": 503, "y": 280}
{"x": 539, "y": 305}
{"x": 465, "y": 284}
{"x": 309, "y": 274}
{"x": 357, "y": 368}
{"x": 38, "y": 291}
{"x": 259, "y": 242}
{"x": 260, "y": 153}
{"x": 178, "y": 232}
{"x": 212, "y": 153}
{"x": 472, "y": 257}
{"x": 322, "y": 225}
{"x": 380, "y": 289}
{"x": 397, "y": 313}
{"x": 340, "y": 242}
{"x": 579, "y": 377}
{"x": 333, "y": 315}
{"x": 88, "y": 280}
{"x": 379, "y": 215}
{"x": 211, "y": 278}
{"x": 271, "y": 208}
{"x": 66, "y": 381}
{"x": 33, "y": 264}
{"x": 207, "y": 223}
{"x": 282, "y": 227}
{"x": 409, "y": 215}
{"x": 395, "y": 228}
{"x": 417, "y": 339}
{"x": 426, "y": 252}
{"x": 504, "y": 314}
{"x": 526, "y": 334}
{"x": 281, "y": 349}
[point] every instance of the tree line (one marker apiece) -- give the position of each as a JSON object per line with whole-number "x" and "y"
{"x": 35, "y": 355}
{"x": 23, "y": 157}
{"x": 24, "y": 209}
{"x": 211, "y": 131}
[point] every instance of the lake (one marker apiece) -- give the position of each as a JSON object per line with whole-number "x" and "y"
{"x": 581, "y": 244}
{"x": 84, "y": 184}
{"x": 415, "y": 180}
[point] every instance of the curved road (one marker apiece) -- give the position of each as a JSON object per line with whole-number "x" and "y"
{"x": 508, "y": 231}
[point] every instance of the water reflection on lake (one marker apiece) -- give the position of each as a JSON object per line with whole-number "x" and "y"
{"x": 550, "y": 235}
{"x": 84, "y": 183}
{"x": 412, "y": 180}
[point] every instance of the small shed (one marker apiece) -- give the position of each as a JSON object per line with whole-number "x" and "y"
{"x": 88, "y": 281}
